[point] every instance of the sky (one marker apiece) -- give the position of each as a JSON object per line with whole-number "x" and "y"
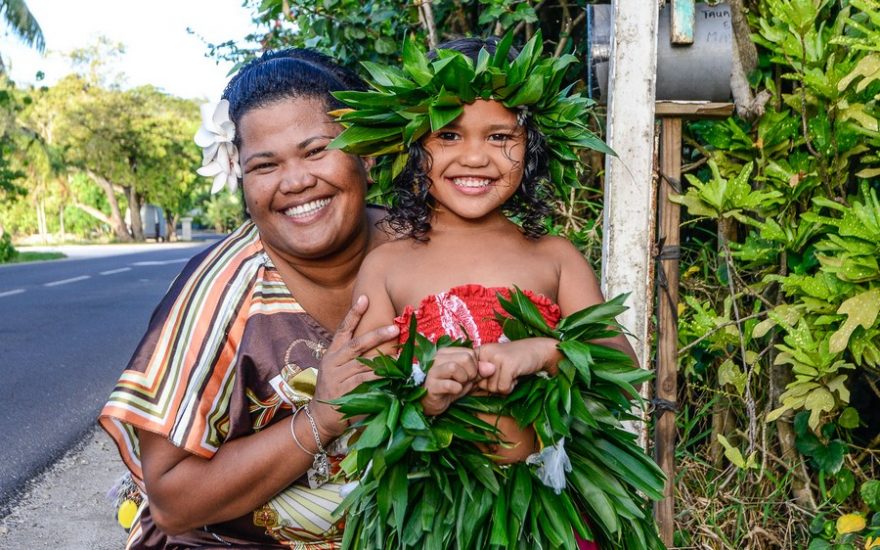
{"x": 159, "y": 51}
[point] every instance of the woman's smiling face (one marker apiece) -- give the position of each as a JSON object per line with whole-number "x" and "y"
{"x": 476, "y": 162}
{"x": 306, "y": 200}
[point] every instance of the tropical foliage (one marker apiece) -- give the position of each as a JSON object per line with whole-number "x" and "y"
{"x": 77, "y": 154}
{"x": 22, "y": 23}
{"x": 779, "y": 321}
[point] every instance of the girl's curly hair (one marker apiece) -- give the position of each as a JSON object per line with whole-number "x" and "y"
{"x": 412, "y": 205}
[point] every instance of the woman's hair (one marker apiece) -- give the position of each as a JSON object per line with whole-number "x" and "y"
{"x": 412, "y": 204}
{"x": 287, "y": 74}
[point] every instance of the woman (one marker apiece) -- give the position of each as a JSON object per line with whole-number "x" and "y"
{"x": 209, "y": 415}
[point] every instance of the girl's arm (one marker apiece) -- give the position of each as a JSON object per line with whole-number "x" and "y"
{"x": 577, "y": 289}
{"x": 370, "y": 282}
{"x": 455, "y": 370}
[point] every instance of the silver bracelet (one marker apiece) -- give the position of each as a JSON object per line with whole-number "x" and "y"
{"x": 293, "y": 433}
{"x": 319, "y": 473}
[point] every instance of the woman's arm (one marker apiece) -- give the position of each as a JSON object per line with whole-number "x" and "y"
{"x": 187, "y": 491}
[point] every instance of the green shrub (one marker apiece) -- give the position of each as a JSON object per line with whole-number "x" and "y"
{"x": 7, "y": 251}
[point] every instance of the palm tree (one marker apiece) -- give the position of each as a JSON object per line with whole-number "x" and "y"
{"x": 22, "y": 23}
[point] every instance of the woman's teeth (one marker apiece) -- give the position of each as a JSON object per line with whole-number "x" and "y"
{"x": 471, "y": 182}
{"x": 307, "y": 208}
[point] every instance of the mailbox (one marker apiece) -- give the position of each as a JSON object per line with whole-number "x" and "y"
{"x": 696, "y": 72}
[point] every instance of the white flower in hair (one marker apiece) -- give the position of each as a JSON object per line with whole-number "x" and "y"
{"x": 219, "y": 154}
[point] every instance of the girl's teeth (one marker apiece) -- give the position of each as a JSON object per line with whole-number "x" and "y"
{"x": 307, "y": 208}
{"x": 471, "y": 182}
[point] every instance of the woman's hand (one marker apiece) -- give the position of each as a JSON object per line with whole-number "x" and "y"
{"x": 340, "y": 371}
{"x": 453, "y": 374}
{"x": 518, "y": 358}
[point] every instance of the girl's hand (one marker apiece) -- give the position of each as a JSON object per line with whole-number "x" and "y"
{"x": 454, "y": 373}
{"x": 340, "y": 371}
{"x": 518, "y": 358}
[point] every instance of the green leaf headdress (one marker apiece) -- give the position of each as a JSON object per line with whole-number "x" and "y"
{"x": 426, "y": 95}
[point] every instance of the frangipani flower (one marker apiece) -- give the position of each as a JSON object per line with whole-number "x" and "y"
{"x": 219, "y": 154}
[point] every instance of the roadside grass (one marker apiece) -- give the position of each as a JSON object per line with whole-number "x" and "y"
{"x": 22, "y": 257}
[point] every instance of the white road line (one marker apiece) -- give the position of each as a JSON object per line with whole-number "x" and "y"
{"x": 112, "y": 271}
{"x": 11, "y": 292}
{"x": 71, "y": 280}
{"x": 162, "y": 262}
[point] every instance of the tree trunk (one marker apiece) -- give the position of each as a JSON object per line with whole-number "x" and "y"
{"x": 745, "y": 60}
{"x": 134, "y": 205}
{"x": 94, "y": 212}
{"x": 116, "y": 222}
{"x": 41, "y": 221}
{"x": 171, "y": 223}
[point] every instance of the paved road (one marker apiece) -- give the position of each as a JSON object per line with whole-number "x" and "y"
{"x": 67, "y": 329}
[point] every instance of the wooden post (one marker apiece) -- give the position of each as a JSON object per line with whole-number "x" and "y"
{"x": 671, "y": 114}
{"x": 629, "y": 213}
{"x": 667, "y": 320}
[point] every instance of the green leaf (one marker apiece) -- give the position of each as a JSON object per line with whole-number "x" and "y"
{"x": 819, "y": 544}
{"x": 355, "y": 404}
{"x": 415, "y": 62}
{"x": 849, "y": 418}
{"x": 524, "y": 309}
{"x": 603, "y": 511}
{"x": 844, "y": 485}
{"x": 818, "y": 401}
{"x": 399, "y": 497}
{"x": 527, "y": 94}
{"x": 499, "y": 520}
{"x": 385, "y": 45}
{"x": 735, "y": 456}
{"x": 440, "y": 117}
{"x": 730, "y": 373}
{"x": 359, "y": 136}
{"x": 557, "y": 531}
{"x": 829, "y": 458}
{"x": 520, "y": 497}
{"x": 867, "y": 69}
{"x": 861, "y": 310}
{"x": 603, "y": 313}
{"x": 413, "y": 418}
{"x": 375, "y": 432}
{"x": 870, "y": 493}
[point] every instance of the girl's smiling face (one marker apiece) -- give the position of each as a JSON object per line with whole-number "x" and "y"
{"x": 306, "y": 200}
{"x": 476, "y": 162}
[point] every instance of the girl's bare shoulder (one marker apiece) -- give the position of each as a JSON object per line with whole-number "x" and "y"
{"x": 559, "y": 248}
{"x": 389, "y": 251}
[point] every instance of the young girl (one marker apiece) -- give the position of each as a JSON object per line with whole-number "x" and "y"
{"x": 470, "y": 202}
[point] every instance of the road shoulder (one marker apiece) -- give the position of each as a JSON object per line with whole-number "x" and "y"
{"x": 66, "y": 507}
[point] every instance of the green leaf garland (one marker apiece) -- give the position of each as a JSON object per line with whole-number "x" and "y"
{"x": 424, "y": 482}
{"x": 426, "y": 95}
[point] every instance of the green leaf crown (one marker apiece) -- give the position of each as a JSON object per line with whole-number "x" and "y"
{"x": 426, "y": 95}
